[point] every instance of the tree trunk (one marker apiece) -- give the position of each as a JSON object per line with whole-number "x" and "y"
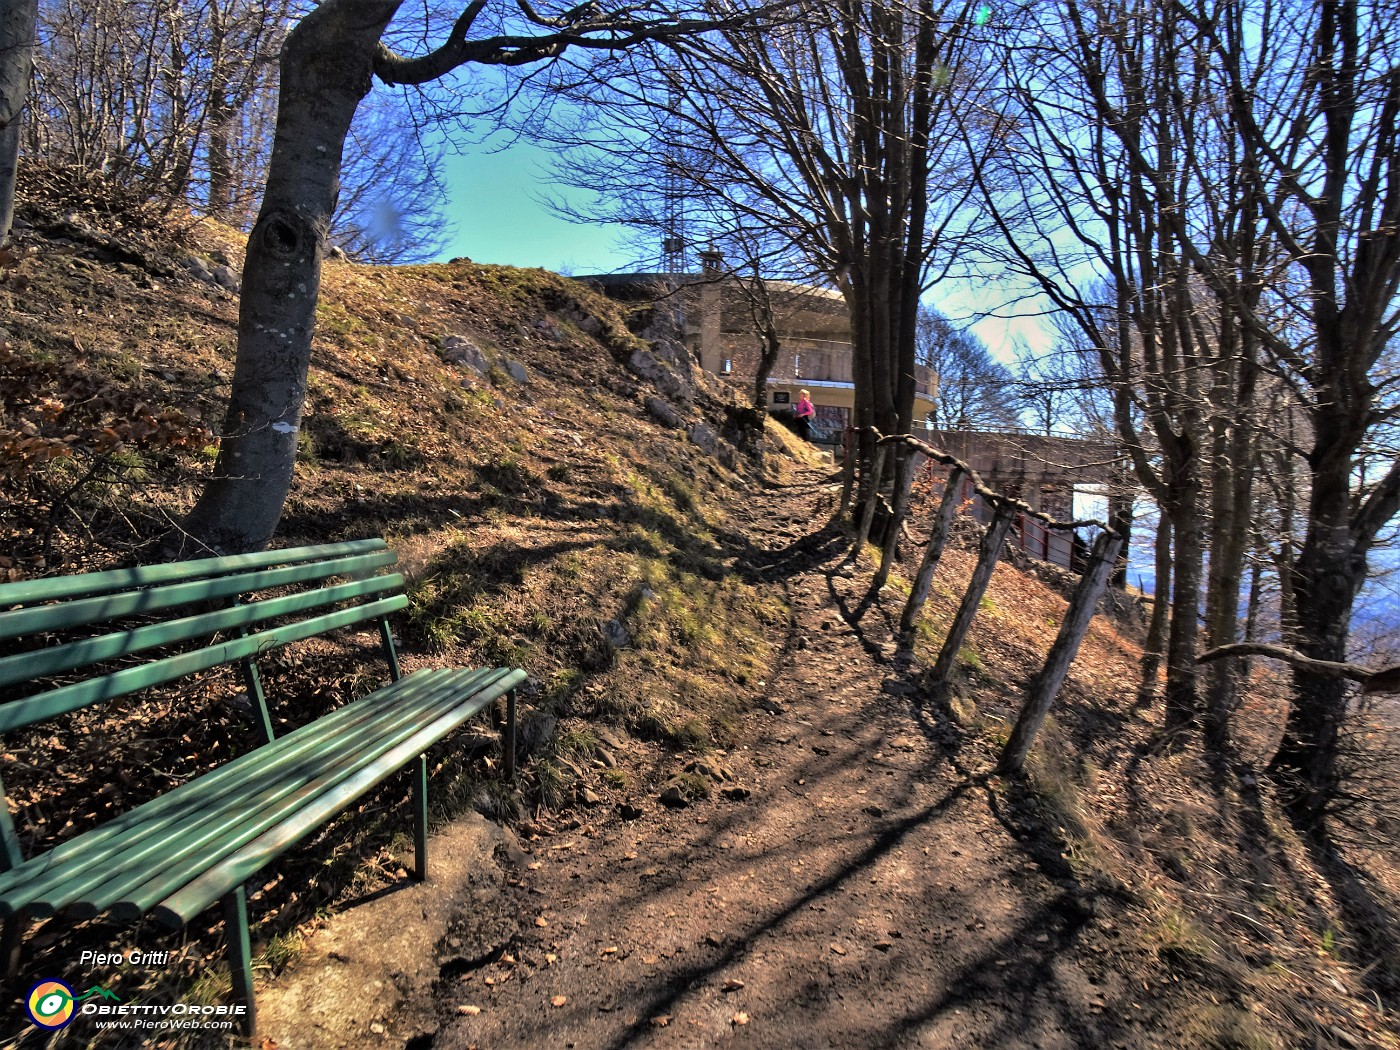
{"x": 1330, "y": 568}
{"x": 769, "y": 351}
{"x": 1120, "y": 509}
{"x": 327, "y": 66}
{"x": 1182, "y": 699}
{"x": 1233, "y": 462}
{"x": 872, "y": 499}
{"x": 17, "y": 20}
{"x": 1156, "y": 644}
{"x": 850, "y": 451}
{"x": 1306, "y": 761}
{"x": 1326, "y": 577}
{"x": 220, "y": 197}
{"x": 219, "y": 116}
{"x": 770, "y": 345}
{"x": 903, "y": 481}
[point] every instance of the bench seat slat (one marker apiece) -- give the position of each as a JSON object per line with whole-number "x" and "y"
{"x": 60, "y": 701}
{"x": 60, "y": 587}
{"x": 158, "y": 833}
{"x": 25, "y": 666}
{"x": 213, "y": 882}
{"x": 211, "y": 838}
{"x": 40, "y": 618}
{"x": 223, "y": 778}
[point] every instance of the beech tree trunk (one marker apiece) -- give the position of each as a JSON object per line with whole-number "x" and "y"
{"x": 220, "y": 149}
{"x": 903, "y": 481}
{"x": 1326, "y": 577}
{"x": 1182, "y": 697}
{"x": 769, "y": 352}
{"x": 17, "y": 20}
{"x": 867, "y": 513}
{"x": 1231, "y": 499}
{"x": 1156, "y": 644}
{"x": 327, "y": 65}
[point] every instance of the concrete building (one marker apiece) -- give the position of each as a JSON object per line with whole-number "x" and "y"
{"x": 814, "y": 329}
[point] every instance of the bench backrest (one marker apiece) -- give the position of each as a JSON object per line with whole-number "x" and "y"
{"x": 203, "y": 613}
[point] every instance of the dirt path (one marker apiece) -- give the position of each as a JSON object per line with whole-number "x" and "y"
{"x": 857, "y": 890}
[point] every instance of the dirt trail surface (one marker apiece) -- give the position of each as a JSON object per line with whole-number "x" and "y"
{"x": 845, "y": 885}
{"x": 852, "y": 879}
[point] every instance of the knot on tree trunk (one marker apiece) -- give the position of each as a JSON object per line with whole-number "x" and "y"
{"x": 284, "y": 258}
{"x": 284, "y": 236}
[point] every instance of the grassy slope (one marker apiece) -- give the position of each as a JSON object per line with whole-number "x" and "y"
{"x": 526, "y": 517}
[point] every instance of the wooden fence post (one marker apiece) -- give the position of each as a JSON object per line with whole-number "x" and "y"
{"x": 848, "y": 474}
{"x": 938, "y": 537}
{"x": 903, "y": 484}
{"x": 1046, "y": 685}
{"x": 992, "y": 542}
{"x": 872, "y": 499}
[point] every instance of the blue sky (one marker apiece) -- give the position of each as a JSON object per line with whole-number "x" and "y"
{"x": 499, "y": 216}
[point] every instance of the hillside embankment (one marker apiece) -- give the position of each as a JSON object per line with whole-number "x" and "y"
{"x": 740, "y": 817}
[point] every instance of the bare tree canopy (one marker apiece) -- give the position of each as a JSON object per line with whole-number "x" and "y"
{"x": 149, "y": 109}
{"x": 975, "y": 392}
{"x": 830, "y": 138}
{"x": 1210, "y": 191}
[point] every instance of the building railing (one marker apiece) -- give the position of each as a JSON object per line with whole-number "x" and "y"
{"x": 831, "y": 361}
{"x": 954, "y": 428}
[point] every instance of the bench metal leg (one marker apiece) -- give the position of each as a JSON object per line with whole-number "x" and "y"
{"x": 420, "y": 819}
{"x": 508, "y": 737}
{"x": 240, "y": 957}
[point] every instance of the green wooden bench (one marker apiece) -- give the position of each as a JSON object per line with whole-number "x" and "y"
{"x": 83, "y": 640}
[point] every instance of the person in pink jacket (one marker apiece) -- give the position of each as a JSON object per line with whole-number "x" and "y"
{"x": 804, "y": 412}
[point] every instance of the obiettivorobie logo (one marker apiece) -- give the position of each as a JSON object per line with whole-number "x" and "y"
{"x": 52, "y": 1004}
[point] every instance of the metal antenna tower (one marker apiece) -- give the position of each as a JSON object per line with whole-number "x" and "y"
{"x": 673, "y": 240}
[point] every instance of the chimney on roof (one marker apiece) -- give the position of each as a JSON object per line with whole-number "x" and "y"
{"x": 711, "y": 262}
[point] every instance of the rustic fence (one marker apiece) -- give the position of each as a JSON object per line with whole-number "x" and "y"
{"x": 1005, "y": 512}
